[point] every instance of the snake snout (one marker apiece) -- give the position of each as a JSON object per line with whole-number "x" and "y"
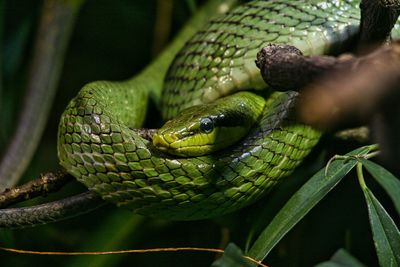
{"x": 163, "y": 142}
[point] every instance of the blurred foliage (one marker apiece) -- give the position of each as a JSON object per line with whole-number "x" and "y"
{"x": 112, "y": 40}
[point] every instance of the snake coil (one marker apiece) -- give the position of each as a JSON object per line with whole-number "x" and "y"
{"x": 98, "y": 143}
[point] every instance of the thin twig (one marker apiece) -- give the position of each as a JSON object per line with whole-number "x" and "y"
{"x": 47, "y": 183}
{"x": 149, "y": 250}
{"x": 50, "y": 212}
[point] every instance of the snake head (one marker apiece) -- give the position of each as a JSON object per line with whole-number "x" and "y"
{"x": 204, "y": 129}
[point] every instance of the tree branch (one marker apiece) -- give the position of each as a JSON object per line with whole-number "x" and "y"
{"x": 47, "y": 183}
{"x": 50, "y": 212}
{"x": 283, "y": 67}
{"x": 377, "y": 20}
{"x": 352, "y": 91}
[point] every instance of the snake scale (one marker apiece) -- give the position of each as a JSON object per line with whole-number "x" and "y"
{"x": 99, "y": 145}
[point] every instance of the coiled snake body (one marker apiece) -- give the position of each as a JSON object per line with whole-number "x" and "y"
{"x": 98, "y": 143}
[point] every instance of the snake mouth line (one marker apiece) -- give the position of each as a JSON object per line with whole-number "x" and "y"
{"x": 161, "y": 143}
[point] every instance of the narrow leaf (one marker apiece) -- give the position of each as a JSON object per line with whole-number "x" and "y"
{"x": 302, "y": 202}
{"x": 232, "y": 257}
{"x": 387, "y": 180}
{"x": 341, "y": 258}
{"x": 384, "y": 231}
{"x": 330, "y": 264}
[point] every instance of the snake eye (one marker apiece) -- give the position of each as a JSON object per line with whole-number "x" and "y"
{"x": 206, "y": 125}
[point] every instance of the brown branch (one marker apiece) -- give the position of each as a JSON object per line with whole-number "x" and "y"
{"x": 344, "y": 93}
{"x": 276, "y": 61}
{"x": 377, "y": 20}
{"x": 50, "y": 212}
{"x": 283, "y": 67}
{"x": 348, "y": 86}
{"x": 47, "y": 183}
{"x": 341, "y": 90}
{"x": 352, "y": 91}
{"x": 51, "y": 41}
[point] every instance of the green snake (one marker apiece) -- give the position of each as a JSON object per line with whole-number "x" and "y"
{"x": 100, "y": 146}
{"x": 212, "y": 173}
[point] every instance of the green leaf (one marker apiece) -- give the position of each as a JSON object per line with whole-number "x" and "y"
{"x": 341, "y": 258}
{"x": 302, "y": 202}
{"x": 330, "y": 264}
{"x": 232, "y": 257}
{"x": 387, "y": 180}
{"x": 384, "y": 231}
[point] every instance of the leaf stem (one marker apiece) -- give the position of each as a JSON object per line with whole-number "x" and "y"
{"x": 360, "y": 176}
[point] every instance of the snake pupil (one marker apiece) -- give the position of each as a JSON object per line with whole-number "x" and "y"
{"x": 206, "y": 125}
